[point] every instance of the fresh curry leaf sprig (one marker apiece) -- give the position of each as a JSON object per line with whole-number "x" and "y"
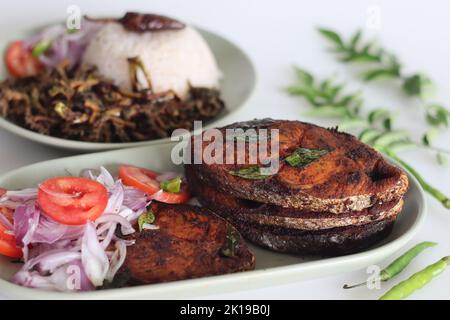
{"x": 374, "y": 128}
{"x": 381, "y": 64}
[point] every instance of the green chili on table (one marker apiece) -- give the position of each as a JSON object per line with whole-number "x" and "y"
{"x": 398, "y": 264}
{"x": 416, "y": 281}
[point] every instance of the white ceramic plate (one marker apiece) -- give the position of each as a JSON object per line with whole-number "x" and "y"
{"x": 237, "y": 85}
{"x": 271, "y": 268}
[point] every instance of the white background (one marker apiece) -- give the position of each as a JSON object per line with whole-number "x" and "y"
{"x": 277, "y": 35}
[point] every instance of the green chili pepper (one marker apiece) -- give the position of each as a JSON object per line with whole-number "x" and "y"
{"x": 173, "y": 185}
{"x": 398, "y": 264}
{"x": 417, "y": 280}
{"x": 40, "y": 48}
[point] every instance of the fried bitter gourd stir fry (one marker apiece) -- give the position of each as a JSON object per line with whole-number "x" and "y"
{"x": 79, "y": 104}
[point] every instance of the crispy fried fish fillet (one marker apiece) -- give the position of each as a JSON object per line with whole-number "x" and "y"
{"x": 351, "y": 176}
{"x": 191, "y": 242}
{"x": 247, "y": 211}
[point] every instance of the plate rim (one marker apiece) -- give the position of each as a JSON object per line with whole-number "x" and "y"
{"x": 68, "y": 144}
{"x": 226, "y": 281}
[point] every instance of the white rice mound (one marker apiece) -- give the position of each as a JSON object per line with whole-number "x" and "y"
{"x": 172, "y": 58}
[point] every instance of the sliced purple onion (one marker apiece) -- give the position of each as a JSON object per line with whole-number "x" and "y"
{"x": 157, "y": 195}
{"x": 93, "y": 256}
{"x": 109, "y": 235}
{"x": 21, "y": 195}
{"x": 148, "y": 226}
{"x": 48, "y": 231}
{"x": 89, "y": 173}
{"x": 126, "y": 227}
{"x": 50, "y": 247}
{"x": 117, "y": 260}
{"x": 64, "y": 46}
{"x": 53, "y": 262}
{"x": 26, "y": 221}
{"x": 68, "y": 277}
{"x": 134, "y": 199}
{"x": 168, "y": 176}
{"x": 116, "y": 197}
{"x": 105, "y": 178}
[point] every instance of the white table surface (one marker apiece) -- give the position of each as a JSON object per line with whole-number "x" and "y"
{"x": 277, "y": 35}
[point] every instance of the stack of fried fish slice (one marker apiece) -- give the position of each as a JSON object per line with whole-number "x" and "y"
{"x": 331, "y": 194}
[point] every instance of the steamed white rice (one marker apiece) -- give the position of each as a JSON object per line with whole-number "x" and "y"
{"x": 172, "y": 58}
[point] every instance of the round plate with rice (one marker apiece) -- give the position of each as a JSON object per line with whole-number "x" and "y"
{"x": 129, "y": 87}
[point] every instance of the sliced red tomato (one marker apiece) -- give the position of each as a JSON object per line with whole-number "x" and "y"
{"x": 2, "y": 191}
{"x": 8, "y": 245}
{"x": 72, "y": 200}
{"x": 145, "y": 180}
{"x": 20, "y": 62}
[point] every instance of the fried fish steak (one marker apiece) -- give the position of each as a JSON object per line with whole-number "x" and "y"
{"x": 328, "y": 242}
{"x": 350, "y": 176}
{"x": 191, "y": 242}
{"x": 257, "y": 213}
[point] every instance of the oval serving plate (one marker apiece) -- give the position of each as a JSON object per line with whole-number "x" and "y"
{"x": 271, "y": 268}
{"x": 237, "y": 85}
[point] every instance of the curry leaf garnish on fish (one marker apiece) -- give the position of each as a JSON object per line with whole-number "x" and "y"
{"x": 253, "y": 172}
{"x": 303, "y": 156}
{"x": 381, "y": 64}
{"x": 145, "y": 218}
{"x": 375, "y": 128}
{"x": 232, "y": 243}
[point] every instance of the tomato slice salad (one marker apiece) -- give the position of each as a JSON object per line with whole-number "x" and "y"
{"x": 20, "y": 61}
{"x": 72, "y": 200}
{"x": 145, "y": 180}
{"x": 8, "y": 246}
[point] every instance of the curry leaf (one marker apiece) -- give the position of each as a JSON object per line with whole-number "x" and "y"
{"x": 304, "y": 76}
{"x": 437, "y": 115}
{"x": 252, "y": 172}
{"x": 429, "y": 136}
{"x": 232, "y": 243}
{"x": 419, "y": 85}
{"x": 442, "y": 159}
{"x": 369, "y": 134}
{"x": 355, "y": 39}
{"x": 387, "y": 138}
{"x": 332, "y": 36}
{"x": 328, "y": 111}
{"x": 380, "y": 73}
{"x": 353, "y": 123}
{"x": 303, "y": 156}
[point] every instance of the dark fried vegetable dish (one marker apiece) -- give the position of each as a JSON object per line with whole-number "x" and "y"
{"x": 79, "y": 104}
